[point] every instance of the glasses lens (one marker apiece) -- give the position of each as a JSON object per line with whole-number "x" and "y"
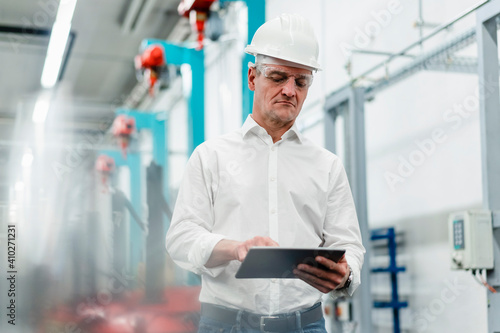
{"x": 303, "y": 80}
{"x": 280, "y": 77}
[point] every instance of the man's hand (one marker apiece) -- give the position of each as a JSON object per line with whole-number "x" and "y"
{"x": 331, "y": 276}
{"x": 227, "y": 250}
{"x": 242, "y": 248}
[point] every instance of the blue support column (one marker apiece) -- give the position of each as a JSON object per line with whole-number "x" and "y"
{"x": 136, "y": 240}
{"x": 196, "y": 113}
{"x": 150, "y": 121}
{"x": 160, "y": 145}
{"x": 256, "y": 17}
{"x": 179, "y": 55}
{"x": 136, "y": 234}
{"x": 143, "y": 121}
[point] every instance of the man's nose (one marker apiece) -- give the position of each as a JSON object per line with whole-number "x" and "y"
{"x": 289, "y": 87}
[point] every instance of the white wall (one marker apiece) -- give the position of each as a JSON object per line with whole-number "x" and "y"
{"x": 399, "y": 122}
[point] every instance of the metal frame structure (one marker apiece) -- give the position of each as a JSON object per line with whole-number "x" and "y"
{"x": 435, "y": 60}
{"x": 489, "y": 96}
{"x": 405, "y": 51}
{"x": 395, "y": 304}
{"x": 349, "y": 103}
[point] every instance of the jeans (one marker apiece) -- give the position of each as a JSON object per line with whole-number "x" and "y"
{"x": 209, "y": 325}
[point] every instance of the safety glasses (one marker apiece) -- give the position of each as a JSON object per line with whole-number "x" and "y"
{"x": 280, "y": 77}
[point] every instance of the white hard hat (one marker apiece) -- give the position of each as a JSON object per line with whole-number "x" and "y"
{"x": 289, "y": 37}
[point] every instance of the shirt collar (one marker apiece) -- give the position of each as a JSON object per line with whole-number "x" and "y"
{"x": 251, "y": 126}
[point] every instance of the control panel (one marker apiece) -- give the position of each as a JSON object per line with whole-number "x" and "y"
{"x": 471, "y": 239}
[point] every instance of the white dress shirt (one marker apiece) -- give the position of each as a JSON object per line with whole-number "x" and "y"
{"x": 242, "y": 185}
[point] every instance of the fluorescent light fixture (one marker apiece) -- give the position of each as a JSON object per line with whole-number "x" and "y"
{"x": 27, "y": 160}
{"x": 57, "y": 43}
{"x": 40, "y": 111}
{"x": 65, "y": 11}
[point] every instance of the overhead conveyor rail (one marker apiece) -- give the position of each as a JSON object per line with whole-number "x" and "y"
{"x": 439, "y": 59}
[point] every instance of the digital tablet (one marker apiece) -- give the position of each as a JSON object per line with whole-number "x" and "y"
{"x": 277, "y": 262}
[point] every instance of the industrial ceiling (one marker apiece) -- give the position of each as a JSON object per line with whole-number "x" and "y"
{"x": 97, "y": 73}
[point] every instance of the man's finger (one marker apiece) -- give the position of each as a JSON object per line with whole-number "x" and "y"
{"x": 330, "y": 264}
{"x": 334, "y": 277}
{"x": 310, "y": 280}
{"x": 340, "y": 268}
{"x": 261, "y": 241}
{"x": 327, "y": 283}
{"x": 265, "y": 241}
{"x": 244, "y": 247}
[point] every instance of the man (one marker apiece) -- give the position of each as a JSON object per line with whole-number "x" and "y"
{"x": 267, "y": 185}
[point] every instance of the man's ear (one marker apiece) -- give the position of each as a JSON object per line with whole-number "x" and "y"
{"x": 251, "y": 79}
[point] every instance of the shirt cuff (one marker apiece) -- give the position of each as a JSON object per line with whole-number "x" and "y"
{"x": 201, "y": 252}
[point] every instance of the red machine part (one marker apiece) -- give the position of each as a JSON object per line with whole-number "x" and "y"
{"x": 186, "y": 6}
{"x": 153, "y": 56}
{"x": 123, "y": 128}
{"x": 197, "y": 12}
{"x": 197, "y": 20}
{"x": 105, "y": 165}
{"x": 123, "y": 125}
{"x": 151, "y": 61}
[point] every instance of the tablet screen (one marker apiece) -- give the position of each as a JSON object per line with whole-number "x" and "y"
{"x": 278, "y": 262}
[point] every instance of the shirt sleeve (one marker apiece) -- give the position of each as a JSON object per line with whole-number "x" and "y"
{"x": 341, "y": 228}
{"x": 189, "y": 239}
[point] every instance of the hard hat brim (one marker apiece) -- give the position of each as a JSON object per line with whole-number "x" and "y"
{"x": 311, "y": 65}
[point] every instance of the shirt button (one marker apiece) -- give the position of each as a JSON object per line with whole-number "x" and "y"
{"x": 273, "y": 148}
{"x": 273, "y": 179}
{"x": 273, "y": 211}
{"x": 274, "y": 280}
